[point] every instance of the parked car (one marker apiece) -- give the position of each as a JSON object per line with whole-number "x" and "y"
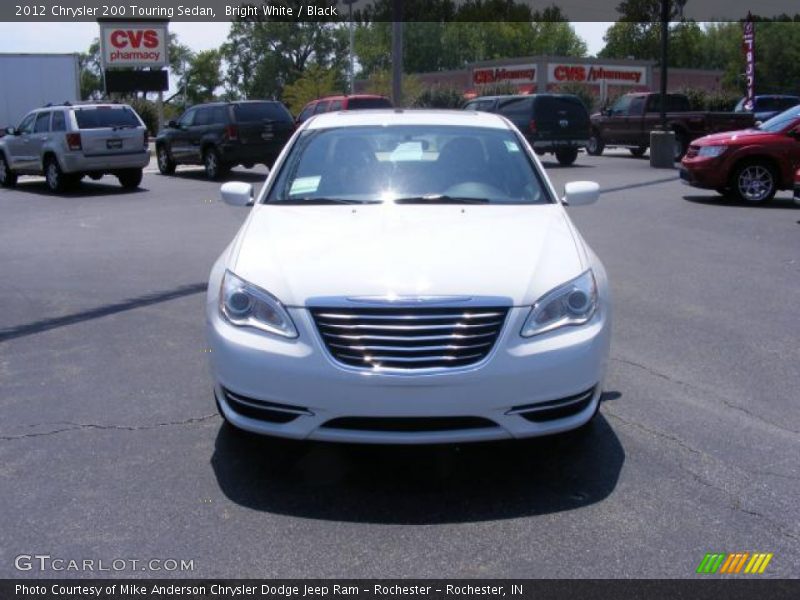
{"x": 408, "y": 277}
{"x": 337, "y": 103}
{"x": 630, "y": 120}
{"x": 767, "y": 106}
{"x": 221, "y": 135}
{"x": 555, "y": 123}
{"x": 751, "y": 164}
{"x": 67, "y": 142}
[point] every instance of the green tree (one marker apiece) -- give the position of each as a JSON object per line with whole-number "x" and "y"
{"x": 441, "y": 45}
{"x": 204, "y": 76}
{"x": 314, "y": 83}
{"x": 264, "y": 56}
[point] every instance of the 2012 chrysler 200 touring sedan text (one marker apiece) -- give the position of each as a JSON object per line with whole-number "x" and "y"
{"x": 408, "y": 277}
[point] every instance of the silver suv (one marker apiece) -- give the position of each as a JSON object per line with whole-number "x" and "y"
{"x": 65, "y": 142}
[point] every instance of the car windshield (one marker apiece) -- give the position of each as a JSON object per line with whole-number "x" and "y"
{"x": 106, "y": 116}
{"x": 408, "y": 164}
{"x": 781, "y": 121}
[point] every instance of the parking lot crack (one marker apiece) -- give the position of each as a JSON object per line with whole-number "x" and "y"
{"x": 705, "y": 392}
{"x": 734, "y": 502}
{"x": 102, "y": 427}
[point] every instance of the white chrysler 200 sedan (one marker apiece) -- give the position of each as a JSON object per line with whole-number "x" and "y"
{"x": 408, "y": 277}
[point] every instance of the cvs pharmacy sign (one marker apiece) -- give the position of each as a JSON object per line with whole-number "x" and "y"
{"x": 134, "y": 44}
{"x": 591, "y": 73}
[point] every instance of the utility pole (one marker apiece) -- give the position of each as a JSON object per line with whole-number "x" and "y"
{"x": 351, "y": 74}
{"x": 397, "y": 53}
{"x": 664, "y": 52}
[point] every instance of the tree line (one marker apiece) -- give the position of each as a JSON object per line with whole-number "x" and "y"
{"x": 296, "y": 61}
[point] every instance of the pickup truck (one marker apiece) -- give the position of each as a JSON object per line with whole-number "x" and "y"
{"x": 631, "y": 118}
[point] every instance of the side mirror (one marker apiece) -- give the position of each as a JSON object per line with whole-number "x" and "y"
{"x": 237, "y": 193}
{"x": 581, "y": 193}
{"x": 172, "y": 124}
{"x": 11, "y": 130}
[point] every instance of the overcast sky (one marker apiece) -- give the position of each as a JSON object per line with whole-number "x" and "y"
{"x": 76, "y": 37}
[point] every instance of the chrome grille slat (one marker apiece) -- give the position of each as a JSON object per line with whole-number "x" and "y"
{"x": 407, "y": 359}
{"x": 458, "y": 325}
{"x": 449, "y": 316}
{"x": 409, "y": 348}
{"x": 409, "y": 337}
{"x": 397, "y": 338}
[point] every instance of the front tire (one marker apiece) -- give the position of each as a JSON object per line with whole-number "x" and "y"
{"x": 7, "y": 177}
{"x": 638, "y": 152}
{"x": 754, "y": 182}
{"x": 166, "y": 166}
{"x": 130, "y": 179}
{"x": 567, "y": 156}
{"x": 595, "y": 145}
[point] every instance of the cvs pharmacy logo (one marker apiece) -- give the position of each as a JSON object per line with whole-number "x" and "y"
{"x": 134, "y": 38}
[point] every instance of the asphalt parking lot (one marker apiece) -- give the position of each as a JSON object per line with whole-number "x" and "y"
{"x": 110, "y": 447}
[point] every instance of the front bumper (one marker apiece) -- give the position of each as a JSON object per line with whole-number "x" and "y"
{"x": 707, "y": 174}
{"x": 300, "y": 375}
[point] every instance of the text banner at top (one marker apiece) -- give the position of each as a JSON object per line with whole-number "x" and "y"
{"x": 378, "y": 10}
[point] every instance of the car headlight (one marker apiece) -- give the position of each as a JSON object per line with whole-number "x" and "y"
{"x": 246, "y": 305}
{"x": 711, "y": 151}
{"x": 573, "y": 303}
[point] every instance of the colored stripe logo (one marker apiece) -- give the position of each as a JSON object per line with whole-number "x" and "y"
{"x": 734, "y": 563}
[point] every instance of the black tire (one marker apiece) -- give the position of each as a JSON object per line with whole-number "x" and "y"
{"x": 249, "y": 165}
{"x": 638, "y": 152}
{"x": 680, "y": 147}
{"x": 754, "y": 182}
{"x": 130, "y": 179}
{"x": 595, "y": 145}
{"x": 566, "y": 156}
{"x": 7, "y": 177}
{"x": 215, "y": 168}
{"x": 166, "y": 166}
{"x": 57, "y": 181}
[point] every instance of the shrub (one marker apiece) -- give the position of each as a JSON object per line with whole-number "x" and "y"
{"x": 504, "y": 88}
{"x": 147, "y": 110}
{"x": 439, "y": 98}
{"x": 582, "y": 91}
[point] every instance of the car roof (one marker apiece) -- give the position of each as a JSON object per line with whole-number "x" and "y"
{"x": 515, "y": 96}
{"x": 392, "y": 116}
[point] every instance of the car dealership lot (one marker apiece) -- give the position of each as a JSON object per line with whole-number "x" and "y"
{"x": 111, "y": 448}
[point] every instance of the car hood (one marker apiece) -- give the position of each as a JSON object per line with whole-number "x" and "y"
{"x": 727, "y": 137}
{"x": 511, "y": 253}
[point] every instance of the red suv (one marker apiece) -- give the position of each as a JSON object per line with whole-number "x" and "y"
{"x": 752, "y": 164}
{"x": 332, "y": 103}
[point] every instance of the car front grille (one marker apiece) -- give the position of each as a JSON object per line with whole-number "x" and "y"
{"x": 409, "y": 338}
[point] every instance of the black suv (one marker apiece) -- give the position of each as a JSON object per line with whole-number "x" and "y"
{"x": 221, "y": 135}
{"x": 557, "y": 123}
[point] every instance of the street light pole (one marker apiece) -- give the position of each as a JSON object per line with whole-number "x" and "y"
{"x": 397, "y": 53}
{"x": 351, "y": 72}
{"x": 664, "y": 44}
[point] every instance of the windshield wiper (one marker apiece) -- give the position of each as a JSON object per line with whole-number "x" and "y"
{"x": 440, "y": 199}
{"x": 313, "y": 201}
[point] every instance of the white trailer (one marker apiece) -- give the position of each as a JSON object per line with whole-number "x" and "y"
{"x": 32, "y": 80}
